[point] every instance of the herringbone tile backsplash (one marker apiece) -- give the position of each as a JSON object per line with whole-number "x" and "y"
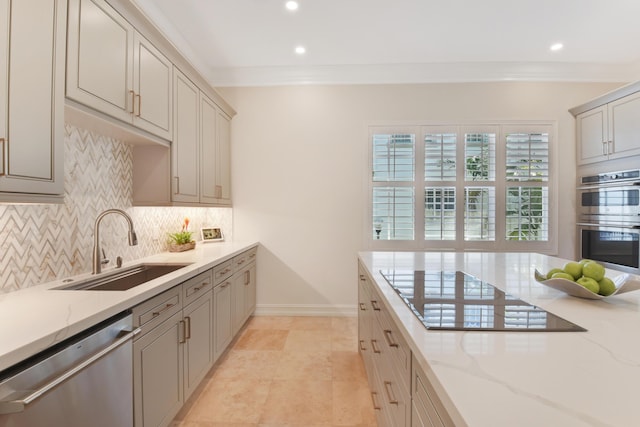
{"x": 40, "y": 243}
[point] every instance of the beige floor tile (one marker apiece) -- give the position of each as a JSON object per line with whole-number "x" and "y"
{"x": 347, "y": 366}
{"x": 352, "y": 405}
{"x": 303, "y": 402}
{"x": 248, "y": 364}
{"x": 269, "y": 322}
{"x": 311, "y": 323}
{"x": 287, "y": 372}
{"x": 314, "y": 365}
{"x": 212, "y": 424}
{"x": 230, "y": 401}
{"x": 308, "y": 341}
{"x": 262, "y": 339}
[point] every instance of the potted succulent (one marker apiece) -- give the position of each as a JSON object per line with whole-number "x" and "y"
{"x": 181, "y": 241}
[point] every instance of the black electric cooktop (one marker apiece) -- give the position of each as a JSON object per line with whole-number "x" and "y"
{"x": 457, "y": 301}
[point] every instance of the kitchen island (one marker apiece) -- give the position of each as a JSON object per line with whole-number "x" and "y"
{"x": 529, "y": 378}
{"x": 36, "y": 318}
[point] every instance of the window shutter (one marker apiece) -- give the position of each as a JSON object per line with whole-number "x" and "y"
{"x": 440, "y": 157}
{"x": 393, "y": 213}
{"x": 527, "y": 157}
{"x": 393, "y": 157}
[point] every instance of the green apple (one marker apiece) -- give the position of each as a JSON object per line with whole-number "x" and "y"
{"x": 607, "y": 287}
{"x": 583, "y": 261}
{"x": 553, "y": 271}
{"x": 562, "y": 275}
{"x": 589, "y": 283}
{"x": 594, "y": 270}
{"x": 573, "y": 268}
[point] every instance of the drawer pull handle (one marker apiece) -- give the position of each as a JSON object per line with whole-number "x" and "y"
{"x": 184, "y": 332}
{"x": 165, "y": 308}
{"x": 373, "y": 399}
{"x": 375, "y": 306}
{"x": 187, "y": 332}
{"x": 247, "y": 277}
{"x": 390, "y": 395}
{"x": 133, "y": 99}
{"x": 362, "y": 277}
{"x": 252, "y": 256}
{"x": 373, "y": 345}
{"x": 362, "y": 347}
{"x": 363, "y": 307}
{"x": 389, "y": 338}
{"x": 139, "y": 104}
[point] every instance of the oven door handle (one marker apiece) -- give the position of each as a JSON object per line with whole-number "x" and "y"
{"x": 19, "y": 404}
{"x": 607, "y": 185}
{"x": 628, "y": 227}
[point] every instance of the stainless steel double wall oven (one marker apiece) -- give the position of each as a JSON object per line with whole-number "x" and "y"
{"x": 609, "y": 219}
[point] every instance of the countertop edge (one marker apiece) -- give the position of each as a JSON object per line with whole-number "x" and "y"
{"x": 12, "y": 304}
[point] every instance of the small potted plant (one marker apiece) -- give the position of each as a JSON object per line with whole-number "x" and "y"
{"x": 181, "y": 241}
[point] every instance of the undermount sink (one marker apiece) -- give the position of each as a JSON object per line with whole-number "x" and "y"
{"x": 124, "y": 279}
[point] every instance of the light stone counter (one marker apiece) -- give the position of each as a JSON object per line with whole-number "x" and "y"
{"x": 525, "y": 378}
{"x": 33, "y": 319}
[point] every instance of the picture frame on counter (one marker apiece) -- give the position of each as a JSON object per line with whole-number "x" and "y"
{"x": 211, "y": 234}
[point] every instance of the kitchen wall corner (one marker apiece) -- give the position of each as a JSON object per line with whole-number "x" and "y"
{"x": 41, "y": 243}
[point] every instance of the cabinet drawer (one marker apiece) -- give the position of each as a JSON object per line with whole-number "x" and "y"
{"x": 157, "y": 309}
{"x": 426, "y": 404}
{"x": 397, "y": 348}
{"x": 196, "y": 286}
{"x": 240, "y": 261}
{"x": 222, "y": 271}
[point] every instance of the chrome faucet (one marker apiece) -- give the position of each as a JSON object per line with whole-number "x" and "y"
{"x": 133, "y": 239}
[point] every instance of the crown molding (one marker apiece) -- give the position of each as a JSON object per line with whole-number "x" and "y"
{"x": 424, "y": 73}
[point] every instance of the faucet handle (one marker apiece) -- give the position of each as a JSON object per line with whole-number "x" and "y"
{"x": 104, "y": 260}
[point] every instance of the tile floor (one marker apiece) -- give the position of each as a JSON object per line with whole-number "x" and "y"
{"x": 286, "y": 371}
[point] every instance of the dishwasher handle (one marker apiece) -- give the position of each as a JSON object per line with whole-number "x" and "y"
{"x": 18, "y": 405}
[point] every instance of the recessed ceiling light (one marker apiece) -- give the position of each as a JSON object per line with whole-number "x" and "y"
{"x": 556, "y": 46}
{"x": 300, "y": 50}
{"x": 291, "y": 5}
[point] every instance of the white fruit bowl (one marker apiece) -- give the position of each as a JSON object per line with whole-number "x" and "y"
{"x": 624, "y": 283}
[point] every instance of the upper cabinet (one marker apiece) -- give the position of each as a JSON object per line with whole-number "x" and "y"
{"x": 113, "y": 69}
{"x": 200, "y": 150}
{"x": 215, "y": 157}
{"x": 609, "y": 128}
{"x": 186, "y": 143}
{"x": 32, "y": 99}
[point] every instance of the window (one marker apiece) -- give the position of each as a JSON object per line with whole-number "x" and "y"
{"x": 482, "y": 187}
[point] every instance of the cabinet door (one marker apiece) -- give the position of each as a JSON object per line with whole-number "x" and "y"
{"x": 158, "y": 374}
{"x": 184, "y": 149}
{"x": 249, "y": 291}
{"x": 209, "y": 156}
{"x": 223, "y": 168}
{"x": 100, "y": 58}
{"x": 237, "y": 298}
{"x": 32, "y": 129}
{"x": 222, "y": 317}
{"x": 624, "y": 126}
{"x": 198, "y": 348}
{"x": 152, "y": 78}
{"x": 591, "y": 133}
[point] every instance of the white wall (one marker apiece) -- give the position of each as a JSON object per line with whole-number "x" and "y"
{"x": 299, "y": 155}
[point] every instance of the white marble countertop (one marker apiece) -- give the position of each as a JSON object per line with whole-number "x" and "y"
{"x": 525, "y": 378}
{"x": 33, "y": 319}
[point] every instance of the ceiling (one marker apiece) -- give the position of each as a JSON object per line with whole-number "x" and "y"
{"x": 251, "y": 42}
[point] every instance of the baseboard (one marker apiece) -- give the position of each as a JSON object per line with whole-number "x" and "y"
{"x": 305, "y": 310}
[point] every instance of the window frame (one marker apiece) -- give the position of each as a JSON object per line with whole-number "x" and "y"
{"x": 501, "y": 243}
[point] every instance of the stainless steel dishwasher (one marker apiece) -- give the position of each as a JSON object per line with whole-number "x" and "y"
{"x": 84, "y": 381}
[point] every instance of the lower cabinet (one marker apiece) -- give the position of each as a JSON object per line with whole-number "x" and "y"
{"x": 222, "y": 317}
{"x": 243, "y": 288}
{"x": 401, "y": 393}
{"x": 183, "y": 332}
